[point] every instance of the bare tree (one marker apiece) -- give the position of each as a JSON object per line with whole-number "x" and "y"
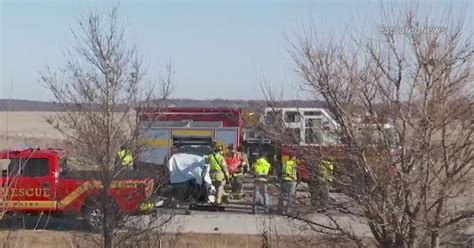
{"x": 416, "y": 76}
{"x": 99, "y": 88}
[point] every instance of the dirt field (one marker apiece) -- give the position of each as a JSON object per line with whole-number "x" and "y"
{"x": 28, "y": 124}
{"x": 26, "y": 128}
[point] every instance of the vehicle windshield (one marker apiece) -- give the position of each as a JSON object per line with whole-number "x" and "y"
{"x": 25, "y": 167}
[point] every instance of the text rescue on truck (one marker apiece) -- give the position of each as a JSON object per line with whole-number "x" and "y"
{"x": 34, "y": 181}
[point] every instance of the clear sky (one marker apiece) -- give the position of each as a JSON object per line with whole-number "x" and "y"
{"x": 219, "y": 49}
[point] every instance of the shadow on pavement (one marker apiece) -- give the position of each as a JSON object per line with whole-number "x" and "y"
{"x": 43, "y": 222}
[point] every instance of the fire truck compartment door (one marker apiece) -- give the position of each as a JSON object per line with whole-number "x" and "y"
{"x": 156, "y": 145}
{"x": 227, "y": 136}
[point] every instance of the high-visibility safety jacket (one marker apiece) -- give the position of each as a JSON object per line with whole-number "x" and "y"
{"x": 217, "y": 166}
{"x": 146, "y": 206}
{"x": 126, "y": 157}
{"x": 289, "y": 171}
{"x": 233, "y": 164}
{"x": 261, "y": 168}
{"x": 327, "y": 170}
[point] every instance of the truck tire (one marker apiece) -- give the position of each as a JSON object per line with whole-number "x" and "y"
{"x": 93, "y": 216}
{"x": 13, "y": 222}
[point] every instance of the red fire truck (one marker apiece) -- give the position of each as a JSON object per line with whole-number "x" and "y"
{"x": 38, "y": 181}
{"x": 314, "y": 131}
{"x": 163, "y": 131}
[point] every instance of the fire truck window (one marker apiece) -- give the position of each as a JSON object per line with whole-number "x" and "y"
{"x": 63, "y": 163}
{"x": 273, "y": 116}
{"x": 14, "y": 167}
{"x": 4, "y": 166}
{"x": 63, "y": 166}
{"x": 292, "y": 116}
{"x": 312, "y": 113}
{"x": 295, "y": 134}
{"x": 392, "y": 137}
{"x": 32, "y": 167}
{"x": 313, "y": 134}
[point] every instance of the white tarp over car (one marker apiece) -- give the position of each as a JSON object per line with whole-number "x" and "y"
{"x": 183, "y": 167}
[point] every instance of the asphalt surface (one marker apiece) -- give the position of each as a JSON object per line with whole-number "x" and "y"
{"x": 254, "y": 224}
{"x": 200, "y": 222}
{"x": 236, "y": 218}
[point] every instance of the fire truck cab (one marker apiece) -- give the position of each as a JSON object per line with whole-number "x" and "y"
{"x": 316, "y": 129}
{"x": 309, "y": 125}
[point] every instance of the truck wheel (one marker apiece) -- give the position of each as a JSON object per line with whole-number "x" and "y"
{"x": 12, "y": 222}
{"x": 93, "y": 216}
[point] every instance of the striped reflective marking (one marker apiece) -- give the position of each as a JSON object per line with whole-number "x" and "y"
{"x": 96, "y": 185}
{"x": 7, "y": 205}
{"x": 156, "y": 142}
{"x": 193, "y": 132}
{"x": 78, "y": 192}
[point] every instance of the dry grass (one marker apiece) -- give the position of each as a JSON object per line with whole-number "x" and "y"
{"x": 42, "y": 239}
{"x": 26, "y": 124}
{"x": 47, "y": 239}
{"x": 27, "y": 129}
{"x": 31, "y": 129}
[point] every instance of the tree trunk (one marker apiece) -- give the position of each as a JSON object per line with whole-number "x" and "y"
{"x": 412, "y": 237}
{"x": 436, "y": 225}
{"x": 107, "y": 240}
{"x": 435, "y": 239}
{"x": 106, "y": 228}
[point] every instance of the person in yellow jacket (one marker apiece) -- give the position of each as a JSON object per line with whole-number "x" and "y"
{"x": 125, "y": 157}
{"x": 319, "y": 187}
{"x": 289, "y": 178}
{"x": 218, "y": 172}
{"x": 261, "y": 168}
{"x": 327, "y": 169}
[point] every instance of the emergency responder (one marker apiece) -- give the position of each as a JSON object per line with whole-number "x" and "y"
{"x": 319, "y": 188}
{"x": 125, "y": 157}
{"x": 289, "y": 177}
{"x": 236, "y": 170}
{"x": 218, "y": 172}
{"x": 261, "y": 168}
{"x": 244, "y": 159}
{"x": 327, "y": 175}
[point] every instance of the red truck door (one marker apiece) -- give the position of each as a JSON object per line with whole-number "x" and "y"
{"x": 30, "y": 184}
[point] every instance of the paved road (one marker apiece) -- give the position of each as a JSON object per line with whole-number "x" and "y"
{"x": 253, "y": 224}
{"x": 202, "y": 222}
